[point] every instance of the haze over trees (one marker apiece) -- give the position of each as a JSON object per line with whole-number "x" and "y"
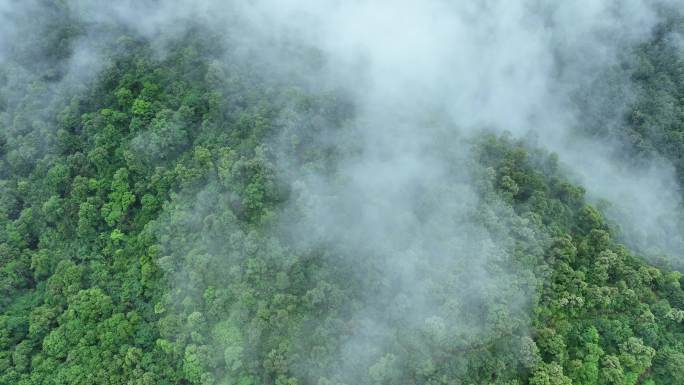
{"x": 317, "y": 193}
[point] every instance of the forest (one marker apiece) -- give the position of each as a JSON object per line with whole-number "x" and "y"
{"x": 191, "y": 195}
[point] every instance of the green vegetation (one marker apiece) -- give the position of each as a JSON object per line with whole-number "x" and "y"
{"x": 140, "y": 242}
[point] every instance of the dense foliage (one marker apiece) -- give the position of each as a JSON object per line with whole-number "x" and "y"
{"x": 140, "y": 243}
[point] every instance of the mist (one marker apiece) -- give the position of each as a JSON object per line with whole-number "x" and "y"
{"x": 518, "y": 67}
{"x": 400, "y": 207}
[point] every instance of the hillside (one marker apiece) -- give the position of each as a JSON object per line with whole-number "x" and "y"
{"x": 206, "y": 215}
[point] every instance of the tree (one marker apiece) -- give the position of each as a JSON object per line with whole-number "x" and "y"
{"x": 120, "y": 198}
